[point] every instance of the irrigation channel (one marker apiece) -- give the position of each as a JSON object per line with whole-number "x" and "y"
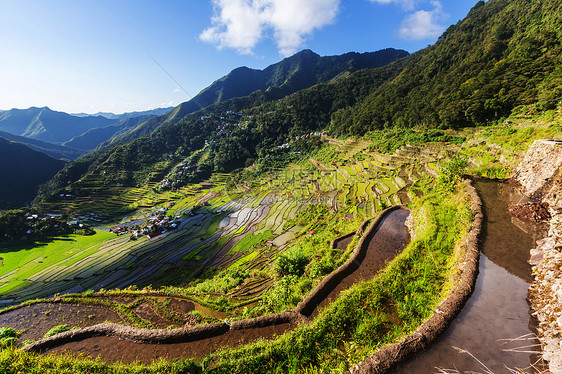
{"x": 495, "y": 325}
{"x": 383, "y": 242}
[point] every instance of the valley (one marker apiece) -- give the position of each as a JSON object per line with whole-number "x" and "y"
{"x": 365, "y": 212}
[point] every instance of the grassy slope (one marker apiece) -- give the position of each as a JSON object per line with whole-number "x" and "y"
{"x": 21, "y": 262}
{"x": 371, "y": 314}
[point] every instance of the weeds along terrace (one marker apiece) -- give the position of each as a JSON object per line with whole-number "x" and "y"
{"x": 370, "y": 315}
{"x": 240, "y": 225}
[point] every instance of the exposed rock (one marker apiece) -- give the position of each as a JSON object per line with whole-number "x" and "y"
{"x": 535, "y": 212}
{"x": 540, "y": 175}
{"x": 540, "y": 167}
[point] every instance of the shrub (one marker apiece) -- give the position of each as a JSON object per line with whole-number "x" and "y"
{"x": 8, "y": 337}
{"x": 7, "y": 332}
{"x": 56, "y": 330}
{"x": 291, "y": 263}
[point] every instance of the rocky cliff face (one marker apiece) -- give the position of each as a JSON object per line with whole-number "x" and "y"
{"x": 540, "y": 173}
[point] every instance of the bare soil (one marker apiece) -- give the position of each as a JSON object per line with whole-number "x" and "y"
{"x": 35, "y": 320}
{"x": 530, "y": 212}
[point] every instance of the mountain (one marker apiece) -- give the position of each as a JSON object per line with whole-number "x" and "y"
{"x": 271, "y": 122}
{"x": 23, "y": 170}
{"x": 92, "y": 138}
{"x": 48, "y": 125}
{"x": 54, "y": 150}
{"x": 152, "y": 112}
{"x": 505, "y": 57}
{"x": 290, "y": 75}
{"x": 83, "y": 132}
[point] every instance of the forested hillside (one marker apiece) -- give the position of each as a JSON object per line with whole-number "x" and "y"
{"x": 286, "y": 77}
{"x": 23, "y": 170}
{"x": 503, "y": 58}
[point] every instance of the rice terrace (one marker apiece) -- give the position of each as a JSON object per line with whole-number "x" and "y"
{"x": 362, "y": 212}
{"x": 242, "y": 247}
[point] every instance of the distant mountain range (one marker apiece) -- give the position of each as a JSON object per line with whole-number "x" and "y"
{"x": 53, "y": 150}
{"x": 152, "y": 112}
{"x": 23, "y": 170}
{"x": 81, "y": 132}
{"x": 48, "y": 125}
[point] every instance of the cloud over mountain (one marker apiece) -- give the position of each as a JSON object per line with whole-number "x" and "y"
{"x": 242, "y": 24}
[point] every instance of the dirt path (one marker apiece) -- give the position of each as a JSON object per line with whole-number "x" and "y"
{"x": 386, "y": 241}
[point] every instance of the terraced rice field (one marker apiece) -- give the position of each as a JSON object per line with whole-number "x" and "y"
{"x": 218, "y": 223}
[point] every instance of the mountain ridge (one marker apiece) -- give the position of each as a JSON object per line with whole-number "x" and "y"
{"x": 24, "y": 169}
{"x": 302, "y": 70}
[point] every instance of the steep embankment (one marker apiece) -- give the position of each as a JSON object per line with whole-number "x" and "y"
{"x": 540, "y": 173}
{"x": 23, "y": 170}
{"x": 504, "y": 56}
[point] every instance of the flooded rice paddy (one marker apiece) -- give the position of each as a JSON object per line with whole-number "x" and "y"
{"x": 495, "y": 326}
{"x": 387, "y": 240}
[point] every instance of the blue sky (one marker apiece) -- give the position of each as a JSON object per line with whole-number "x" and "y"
{"x": 126, "y": 55}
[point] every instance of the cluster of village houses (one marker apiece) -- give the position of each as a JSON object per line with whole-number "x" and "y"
{"x": 287, "y": 145}
{"x": 157, "y": 224}
{"x": 75, "y": 221}
{"x": 177, "y": 177}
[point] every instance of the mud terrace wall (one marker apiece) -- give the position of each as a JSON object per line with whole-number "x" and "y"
{"x": 540, "y": 174}
{"x": 388, "y": 357}
{"x": 298, "y": 315}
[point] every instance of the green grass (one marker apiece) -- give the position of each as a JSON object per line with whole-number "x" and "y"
{"x": 15, "y": 361}
{"x": 251, "y": 241}
{"x": 26, "y": 260}
{"x": 251, "y": 256}
{"x": 372, "y": 313}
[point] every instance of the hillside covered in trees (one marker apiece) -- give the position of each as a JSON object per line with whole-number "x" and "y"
{"x": 502, "y": 59}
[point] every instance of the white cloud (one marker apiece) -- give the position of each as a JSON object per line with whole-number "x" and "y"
{"x": 420, "y": 23}
{"x": 405, "y": 4}
{"x": 241, "y": 24}
{"x": 423, "y": 24}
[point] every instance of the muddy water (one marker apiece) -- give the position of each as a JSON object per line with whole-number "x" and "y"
{"x": 387, "y": 241}
{"x": 498, "y": 308}
{"x": 35, "y": 320}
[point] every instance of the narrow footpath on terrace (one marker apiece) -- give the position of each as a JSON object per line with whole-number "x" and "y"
{"x": 385, "y": 238}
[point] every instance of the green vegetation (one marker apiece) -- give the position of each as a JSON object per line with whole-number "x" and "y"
{"x": 25, "y": 262}
{"x": 502, "y": 59}
{"x": 372, "y": 313}
{"x": 13, "y": 360}
{"x": 8, "y": 337}
{"x": 26, "y": 225}
{"x": 56, "y": 330}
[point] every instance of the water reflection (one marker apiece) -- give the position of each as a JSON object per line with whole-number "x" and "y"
{"x": 498, "y": 309}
